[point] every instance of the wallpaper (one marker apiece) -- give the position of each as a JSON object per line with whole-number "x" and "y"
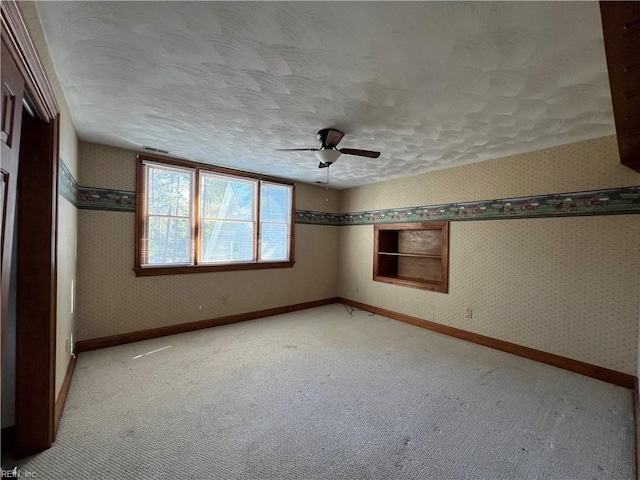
{"x": 102, "y": 166}
{"x": 565, "y": 285}
{"x": 67, "y": 271}
{"x": 589, "y": 165}
{"x": 592, "y": 202}
{"x": 108, "y": 181}
{"x": 111, "y": 300}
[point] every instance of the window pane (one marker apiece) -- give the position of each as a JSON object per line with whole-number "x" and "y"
{"x": 227, "y": 241}
{"x": 275, "y": 203}
{"x": 169, "y": 191}
{"x": 228, "y": 220}
{"x": 227, "y": 199}
{"x": 274, "y": 241}
{"x": 169, "y": 240}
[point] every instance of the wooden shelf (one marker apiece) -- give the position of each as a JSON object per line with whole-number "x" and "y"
{"x": 413, "y": 255}
{"x": 402, "y": 254}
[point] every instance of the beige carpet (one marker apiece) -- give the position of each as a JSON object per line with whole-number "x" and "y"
{"x": 322, "y": 394}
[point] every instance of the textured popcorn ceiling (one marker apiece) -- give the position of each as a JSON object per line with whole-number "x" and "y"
{"x": 430, "y": 85}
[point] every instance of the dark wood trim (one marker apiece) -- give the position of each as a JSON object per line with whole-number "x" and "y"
{"x": 621, "y": 30}
{"x": 114, "y": 340}
{"x": 214, "y": 168}
{"x": 37, "y": 217}
{"x": 196, "y": 243}
{"x": 594, "y": 371}
{"x": 292, "y": 241}
{"x": 18, "y": 40}
{"x": 227, "y": 267}
{"x": 8, "y": 438}
{"x": 386, "y": 263}
{"x": 36, "y": 310}
{"x": 257, "y": 237}
{"x": 636, "y": 423}
{"x": 64, "y": 390}
{"x": 140, "y": 252}
{"x": 139, "y": 227}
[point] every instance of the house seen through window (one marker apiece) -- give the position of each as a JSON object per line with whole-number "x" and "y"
{"x": 206, "y": 219}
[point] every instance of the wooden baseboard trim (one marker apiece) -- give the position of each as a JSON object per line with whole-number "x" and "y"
{"x": 64, "y": 390}
{"x": 114, "y": 340}
{"x": 594, "y": 371}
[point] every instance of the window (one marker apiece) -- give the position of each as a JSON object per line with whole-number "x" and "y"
{"x": 199, "y": 218}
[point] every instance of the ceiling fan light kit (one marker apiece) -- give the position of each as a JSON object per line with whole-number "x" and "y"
{"x": 328, "y": 153}
{"x": 327, "y": 156}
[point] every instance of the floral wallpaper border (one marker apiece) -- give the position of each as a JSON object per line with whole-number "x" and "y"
{"x": 613, "y": 201}
{"x": 67, "y": 185}
{"x": 592, "y": 202}
{"x": 310, "y": 217}
{"x": 93, "y": 198}
{"x": 106, "y": 199}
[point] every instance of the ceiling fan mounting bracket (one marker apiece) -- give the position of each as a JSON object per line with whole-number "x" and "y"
{"x": 329, "y": 137}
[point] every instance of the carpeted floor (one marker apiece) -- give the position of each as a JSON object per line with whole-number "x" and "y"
{"x": 322, "y": 394}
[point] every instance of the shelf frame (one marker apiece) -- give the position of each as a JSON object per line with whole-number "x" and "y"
{"x": 420, "y": 255}
{"x": 387, "y": 255}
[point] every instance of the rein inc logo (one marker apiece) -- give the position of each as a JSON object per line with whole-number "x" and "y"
{"x": 15, "y": 473}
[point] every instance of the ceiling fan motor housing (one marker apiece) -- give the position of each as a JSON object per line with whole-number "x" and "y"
{"x": 329, "y": 137}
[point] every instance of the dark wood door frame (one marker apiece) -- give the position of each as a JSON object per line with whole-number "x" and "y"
{"x": 37, "y": 216}
{"x": 37, "y": 287}
{"x": 18, "y": 40}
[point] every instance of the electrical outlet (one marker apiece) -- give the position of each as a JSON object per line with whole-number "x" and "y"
{"x": 225, "y": 300}
{"x": 469, "y": 313}
{"x": 199, "y": 307}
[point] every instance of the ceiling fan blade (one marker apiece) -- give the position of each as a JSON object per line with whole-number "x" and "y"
{"x": 323, "y": 165}
{"x": 361, "y": 153}
{"x": 297, "y": 149}
{"x": 333, "y": 138}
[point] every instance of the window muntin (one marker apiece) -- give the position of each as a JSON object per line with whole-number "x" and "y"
{"x": 193, "y": 217}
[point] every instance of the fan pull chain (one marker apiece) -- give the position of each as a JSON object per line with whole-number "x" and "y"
{"x": 327, "y": 187}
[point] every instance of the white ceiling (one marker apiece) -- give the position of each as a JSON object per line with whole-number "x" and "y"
{"x": 431, "y": 85}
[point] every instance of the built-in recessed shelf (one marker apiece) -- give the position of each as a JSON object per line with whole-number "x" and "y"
{"x": 412, "y": 254}
{"x": 398, "y": 254}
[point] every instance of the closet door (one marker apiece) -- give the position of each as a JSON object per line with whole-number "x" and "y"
{"x": 12, "y": 93}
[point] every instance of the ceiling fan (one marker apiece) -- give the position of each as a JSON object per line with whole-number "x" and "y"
{"x": 328, "y": 153}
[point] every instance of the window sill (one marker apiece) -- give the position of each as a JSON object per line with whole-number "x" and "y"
{"x": 178, "y": 270}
